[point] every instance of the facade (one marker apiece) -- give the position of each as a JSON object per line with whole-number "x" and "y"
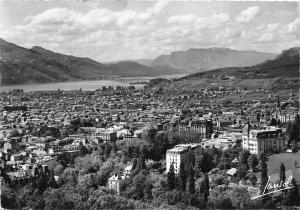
{"x": 128, "y": 137}
{"x": 257, "y": 141}
{"x": 205, "y": 128}
{"x": 180, "y": 154}
{"x": 127, "y": 171}
{"x": 114, "y": 183}
{"x": 285, "y": 118}
{"x": 42, "y": 144}
{"x": 107, "y": 136}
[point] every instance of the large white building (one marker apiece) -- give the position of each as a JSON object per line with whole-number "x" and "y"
{"x": 205, "y": 128}
{"x": 106, "y": 136}
{"x": 257, "y": 141}
{"x": 178, "y": 154}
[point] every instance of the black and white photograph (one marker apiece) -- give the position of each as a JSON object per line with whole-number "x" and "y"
{"x": 149, "y": 104}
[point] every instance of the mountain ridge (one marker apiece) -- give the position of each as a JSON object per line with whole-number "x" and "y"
{"x": 194, "y": 60}
{"x": 19, "y": 65}
{"x": 281, "y": 72}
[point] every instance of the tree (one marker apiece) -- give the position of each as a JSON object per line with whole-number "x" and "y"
{"x": 134, "y": 164}
{"x": 171, "y": 178}
{"x": 293, "y": 129}
{"x": 239, "y": 198}
{"x": 218, "y": 200}
{"x": 141, "y": 165}
{"x": 244, "y": 155}
{"x": 139, "y": 182}
{"x": 253, "y": 179}
{"x": 107, "y": 149}
{"x": 69, "y": 177}
{"x": 273, "y": 122}
{"x": 252, "y": 161}
{"x": 242, "y": 171}
{"x": 282, "y": 173}
{"x": 83, "y": 150}
{"x": 204, "y": 162}
{"x": 114, "y": 147}
{"x": 258, "y": 117}
{"x": 52, "y": 182}
{"x": 292, "y": 197}
{"x": 56, "y": 199}
{"x": 191, "y": 180}
{"x": 182, "y": 176}
{"x": 264, "y": 176}
{"x": 262, "y": 157}
{"x": 149, "y": 134}
{"x": 204, "y": 186}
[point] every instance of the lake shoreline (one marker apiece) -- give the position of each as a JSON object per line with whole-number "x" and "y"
{"x": 86, "y": 84}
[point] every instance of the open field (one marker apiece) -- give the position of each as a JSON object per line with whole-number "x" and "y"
{"x": 286, "y": 158}
{"x": 274, "y": 162}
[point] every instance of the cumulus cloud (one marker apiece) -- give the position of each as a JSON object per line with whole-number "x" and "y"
{"x": 271, "y": 27}
{"x": 247, "y": 15}
{"x": 200, "y": 22}
{"x": 292, "y": 28}
{"x": 183, "y": 19}
{"x": 158, "y": 7}
{"x": 130, "y": 33}
{"x": 68, "y": 31}
{"x": 229, "y": 33}
{"x": 266, "y": 37}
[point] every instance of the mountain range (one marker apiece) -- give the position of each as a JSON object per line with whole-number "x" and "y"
{"x": 197, "y": 60}
{"x": 281, "y": 72}
{"x": 20, "y": 65}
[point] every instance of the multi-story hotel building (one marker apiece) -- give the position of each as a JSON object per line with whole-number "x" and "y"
{"x": 107, "y": 136}
{"x": 180, "y": 153}
{"x": 257, "y": 141}
{"x": 205, "y": 128}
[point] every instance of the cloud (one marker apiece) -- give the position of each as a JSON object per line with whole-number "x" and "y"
{"x": 55, "y": 16}
{"x": 134, "y": 33}
{"x": 199, "y": 22}
{"x": 292, "y": 28}
{"x": 267, "y": 37}
{"x": 183, "y": 19}
{"x": 271, "y": 27}
{"x": 247, "y": 15}
{"x": 94, "y": 18}
{"x": 229, "y": 33}
{"x": 158, "y": 7}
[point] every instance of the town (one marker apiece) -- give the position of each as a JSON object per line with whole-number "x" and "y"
{"x": 149, "y": 147}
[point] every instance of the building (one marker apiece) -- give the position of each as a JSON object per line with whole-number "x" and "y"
{"x": 127, "y": 171}
{"x": 107, "y": 136}
{"x": 285, "y": 118}
{"x": 114, "y": 183}
{"x": 129, "y": 137}
{"x": 257, "y": 141}
{"x": 205, "y": 128}
{"x": 180, "y": 154}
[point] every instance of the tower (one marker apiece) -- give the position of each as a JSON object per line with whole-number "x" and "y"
{"x": 1, "y": 194}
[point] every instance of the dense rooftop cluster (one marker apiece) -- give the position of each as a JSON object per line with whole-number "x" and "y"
{"x": 112, "y": 138}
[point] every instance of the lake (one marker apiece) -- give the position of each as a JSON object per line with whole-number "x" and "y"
{"x": 86, "y": 85}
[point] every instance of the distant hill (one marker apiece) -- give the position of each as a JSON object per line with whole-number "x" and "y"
{"x": 281, "y": 72}
{"x": 145, "y": 62}
{"x": 196, "y": 60}
{"x": 284, "y": 65}
{"x": 19, "y": 65}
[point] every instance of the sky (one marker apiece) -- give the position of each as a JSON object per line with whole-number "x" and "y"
{"x": 113, "y": 30}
